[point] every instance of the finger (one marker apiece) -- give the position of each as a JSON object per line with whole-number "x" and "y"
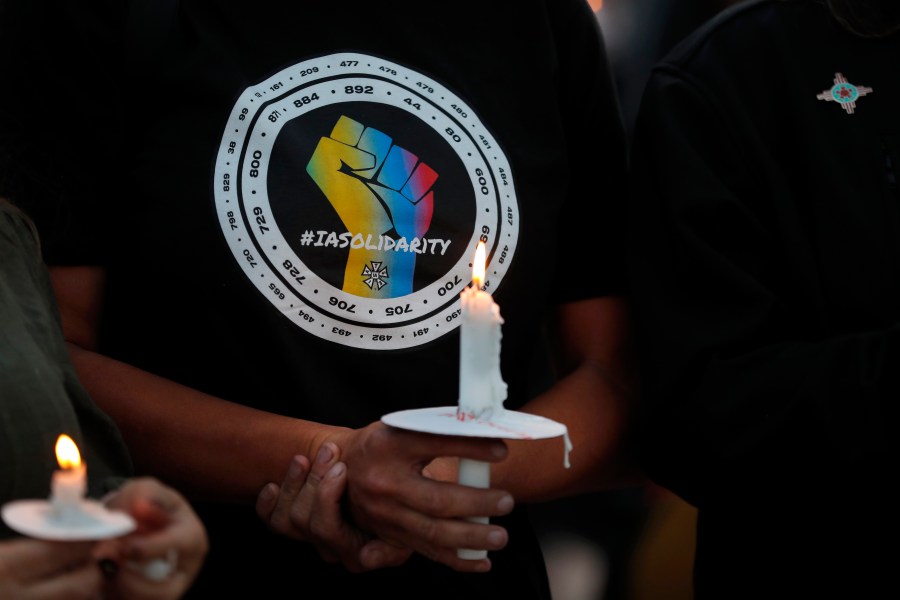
{"x": 442, "y": 469}
{"x": 153, "y": 575}
{"x": 326, "y": 516}
{"x": 436, "y": 537}
{"x": 378, "y": 554}
{"x": 446, "y": 499}
{"x": 484, "y": 449}
{"x": 84, "y": 582}
{"x": 421, "y": 449}
{"x": 32, "y": 559}
{"x": 146, "y": 499}
{"x": 176, "y": 529}
{"x": 428, "y": 535}
{"x": 295, "y": 479}
{"x": 339, "y": 538}
{"x": 441, "y": 539}
{"x": 134, "y": 585}
{"x": 308, "y": 498}
{"x": 331, "y": 535}
{"x": 318, "y": 507}
{"x": 180, "y": 529}
{"x": 164, "y": 520}
{"x": 451, "y": 559}
{"x": 266, "y": 501}
{"x": 329, "y": 454}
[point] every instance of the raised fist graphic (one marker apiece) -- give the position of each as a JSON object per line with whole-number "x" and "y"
{"x": 383, "y": 195}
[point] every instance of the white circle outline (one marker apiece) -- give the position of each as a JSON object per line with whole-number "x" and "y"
{"x": 250, "y": 130}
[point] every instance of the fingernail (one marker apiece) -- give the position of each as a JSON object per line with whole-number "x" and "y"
{"x": 336, "y": 471}
{"x": 324, "y": 454}
{"x": 372, "y": 559}
{"x": 506, "y": 504}
{"x": 295, "y": 469}
{"x": 268, "y": 492}
{"x": 497, "y": 538}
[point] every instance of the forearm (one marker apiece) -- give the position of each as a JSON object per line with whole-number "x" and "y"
{"x": 203, "y": 445}
{"x": 595, "y": 396}
{"x": 596, "y": 414}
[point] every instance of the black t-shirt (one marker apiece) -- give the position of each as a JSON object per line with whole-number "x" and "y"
{"x": 765, "y": 272}
{"x": 287, "y": 200}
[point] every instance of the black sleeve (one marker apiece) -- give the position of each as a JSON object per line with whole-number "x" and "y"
{"x": 737, "y": 395}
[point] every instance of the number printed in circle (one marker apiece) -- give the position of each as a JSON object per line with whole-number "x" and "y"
{"x": 391, "y": 311}
{"x": 449, "y": 285}
{"x": 255, "y": 164}
{"x": 294, "y": 272}
{"x": 260, "y": 219}
{"x": 302, "y": 100}
{"x": 342, "y": 304}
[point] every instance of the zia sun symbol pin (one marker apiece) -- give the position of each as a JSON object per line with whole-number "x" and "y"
{"x": 844, "y": 93}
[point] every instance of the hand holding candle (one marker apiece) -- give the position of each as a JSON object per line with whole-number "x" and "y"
{"x": 482, "y": 391}
{"x": 68, "y": 514}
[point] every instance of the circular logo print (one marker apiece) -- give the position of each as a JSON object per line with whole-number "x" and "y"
{"x": 353, "y": 191}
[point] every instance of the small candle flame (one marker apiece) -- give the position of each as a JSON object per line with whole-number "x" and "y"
{"x": 67, "y": 454}
{"x": 478, "y": 266}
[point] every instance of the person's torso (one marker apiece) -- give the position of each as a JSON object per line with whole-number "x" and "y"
{"x": 304, "y": 198}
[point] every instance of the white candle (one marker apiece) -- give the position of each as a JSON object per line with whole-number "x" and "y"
{"x": 481, "y": 386}
{"x": 69, "y": 484}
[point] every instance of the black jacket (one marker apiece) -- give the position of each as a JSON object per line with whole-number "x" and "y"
{"x": 765, "y": 269}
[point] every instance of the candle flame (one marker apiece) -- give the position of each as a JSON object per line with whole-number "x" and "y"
{"x": 478, "y": 266}
{"x": 67, "y": 454}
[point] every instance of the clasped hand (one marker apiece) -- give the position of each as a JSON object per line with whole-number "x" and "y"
{"x": 375, "y": 495}
{"x": 166, "y": 526}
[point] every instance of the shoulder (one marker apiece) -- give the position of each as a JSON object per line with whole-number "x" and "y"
{"x": 744, "y": 59}
{"x": 755, "y": 34}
